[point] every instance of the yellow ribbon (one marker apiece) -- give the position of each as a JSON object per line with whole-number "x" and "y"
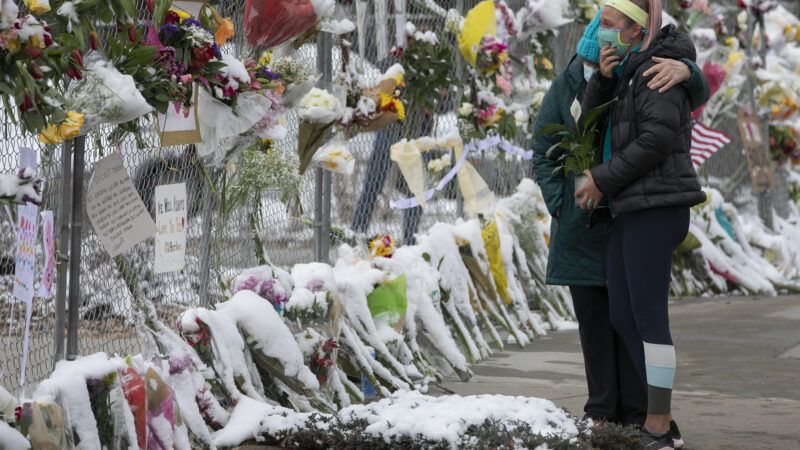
{"x": 631, "y": 10}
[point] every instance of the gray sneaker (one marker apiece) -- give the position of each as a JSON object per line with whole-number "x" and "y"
{"x": 677, "y": 440}
{"x": 652, "y": 441}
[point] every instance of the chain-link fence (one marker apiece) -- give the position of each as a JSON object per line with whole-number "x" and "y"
{"x": 104, "y": 294}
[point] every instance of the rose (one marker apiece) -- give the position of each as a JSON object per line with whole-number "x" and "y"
{"x": 172, "y": 17}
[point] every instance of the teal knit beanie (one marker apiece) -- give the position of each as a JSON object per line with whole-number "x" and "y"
{"x": 588, "y": 49}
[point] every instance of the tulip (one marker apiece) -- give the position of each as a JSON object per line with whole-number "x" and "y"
{"x": 33, "y": 52}
{"x": 27, "y": 103}
{"x": 94, "y": 40}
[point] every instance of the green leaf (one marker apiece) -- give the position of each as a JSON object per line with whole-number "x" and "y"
{"x": 589, "y": 120}
{"x": 551, "y": 150}
{"x": 552, "y": 128}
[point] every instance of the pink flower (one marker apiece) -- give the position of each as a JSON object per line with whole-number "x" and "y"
{"x": 503, "y": 84}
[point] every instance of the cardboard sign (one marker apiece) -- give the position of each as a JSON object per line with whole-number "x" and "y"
{"x": 181, "y": 126}
{"x": 171, "y": 222}
{"x": 755, "y": 143}
{"x": 49, "y": 244}
{"x": 115, "y": 209}
{"x": 25, "y": 268}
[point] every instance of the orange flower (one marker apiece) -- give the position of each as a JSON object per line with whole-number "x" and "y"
{"x": 224, "y": 31}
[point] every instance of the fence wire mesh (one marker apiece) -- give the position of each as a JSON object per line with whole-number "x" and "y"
{"x": 220, "y": 245}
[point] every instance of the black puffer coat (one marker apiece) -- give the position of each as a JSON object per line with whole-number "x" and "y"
{"x": 650, "y": 165}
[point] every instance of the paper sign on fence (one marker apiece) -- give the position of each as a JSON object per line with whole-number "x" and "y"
{"x": 181, "y": 127}
{"x": 171, "y": 223}
{"x": 49, "y": 245}
{"x": 25, "y": 267}
{"x": 115, "y": 209}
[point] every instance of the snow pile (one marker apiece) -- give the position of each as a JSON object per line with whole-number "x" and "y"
{"x": 447, "y": 418}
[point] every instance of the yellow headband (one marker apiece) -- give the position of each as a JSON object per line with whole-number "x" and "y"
{"x": 631, "y": 10}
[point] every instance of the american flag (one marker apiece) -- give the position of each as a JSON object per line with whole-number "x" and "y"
{"x": 706, "y": 142}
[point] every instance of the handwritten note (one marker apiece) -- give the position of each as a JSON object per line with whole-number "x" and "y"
{"x": 27, "y": 220}
{"x": 171, "y": 223}
{"x": 49, "y": 273}
{"x": 115, "y": 209}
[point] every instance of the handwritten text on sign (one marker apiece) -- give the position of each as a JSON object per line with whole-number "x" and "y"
{"x": 115, "y": 209}
{"x": 27, "y": 219}
{"x": 171, "y": 224}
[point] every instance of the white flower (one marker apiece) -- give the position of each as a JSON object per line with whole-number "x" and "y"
{"x": 446, "y": 160}
{"x": 466, "y": 109}
{"x": 575, "y": 110}
{"x": 319, "y": 106}
{"x": 521, "y": 118}
{"x": 410, "y": 28}
{"x": 427, "y": 36}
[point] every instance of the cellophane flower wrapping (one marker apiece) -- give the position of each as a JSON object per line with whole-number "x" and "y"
{"x": 106, "y": 96}
{"x": 269, "y": 23}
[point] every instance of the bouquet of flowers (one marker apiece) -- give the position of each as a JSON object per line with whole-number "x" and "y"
{"x": 492, "y": 56}
{"x": 291, "y": 76}
{"x": 288, "y": 19}
{"x": 105, "y": 95}
{"x": 319, "y": 111}
{"x": 427, "y": 63}
{"x": 381, "y": 246}
{"x": 371, "y": 108}
{"x": 264, "y": 282}
{"x": 783, "y": 144}
{"x": 32, "y": 66}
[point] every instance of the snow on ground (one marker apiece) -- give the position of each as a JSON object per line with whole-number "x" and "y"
{"x": 447, "y": 418}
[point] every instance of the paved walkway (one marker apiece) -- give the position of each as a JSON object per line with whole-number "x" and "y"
{"x": 738, "y": 382}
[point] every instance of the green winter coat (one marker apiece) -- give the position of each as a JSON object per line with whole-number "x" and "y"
{"x": 578, "y": 253}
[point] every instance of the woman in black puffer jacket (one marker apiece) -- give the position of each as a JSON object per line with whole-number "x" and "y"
{"x": 649, "y": 181}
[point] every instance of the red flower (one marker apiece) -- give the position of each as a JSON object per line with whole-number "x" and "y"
{"x": 132, "y": 35}
{"x": 33, "y": 52}
{"x": 48, "y": 40}
{"x": 74, "y": 73}
{"x": 18, "y": 413}
{"x": 329, "y": 345}
{"x": 77, "y": 58}
{"x": 35, "y": 71}
{"x": 27, "y": 103}
{"x": 741, "y": 4}
{"x": 172, "y": 17}
{"x": 94, "y": 41}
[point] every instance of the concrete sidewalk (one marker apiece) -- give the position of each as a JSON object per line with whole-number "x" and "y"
{"x": 738, "y": 382}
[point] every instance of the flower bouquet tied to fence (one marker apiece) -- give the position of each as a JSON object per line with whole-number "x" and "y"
{"x": 319, "y": 111}
{"x": 577, "y": 150}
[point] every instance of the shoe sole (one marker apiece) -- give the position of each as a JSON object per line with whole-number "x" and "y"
{"x": 677, "y": 443}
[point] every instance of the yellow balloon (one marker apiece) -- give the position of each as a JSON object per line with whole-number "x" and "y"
{"x": 480, "y": 21}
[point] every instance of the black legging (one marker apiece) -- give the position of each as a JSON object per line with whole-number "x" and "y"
{"x": 639, "y": 273}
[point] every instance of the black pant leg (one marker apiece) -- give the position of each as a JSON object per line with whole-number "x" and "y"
{"x": 632, "y": 389}
{"x": 599, "y": 343}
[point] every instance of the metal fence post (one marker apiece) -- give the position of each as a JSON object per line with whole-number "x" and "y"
{"x": 322, "y": 192}
{"x": 62, "y": 255}
{"x": 78, "y": 148}
{"x": 208, "y": 229}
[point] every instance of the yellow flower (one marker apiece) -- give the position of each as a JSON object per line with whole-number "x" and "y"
{"x": 733, "y": 59}
{"x": 12, "y": 46}
{"x": 182, "y": 14}
{"x": 38, "y": 7}
{"x": 265, "y": 58}
{"x": 730, "y": 41}
{"x": 37, "y": 41}
{"x": 51, "y": 135}
{"x": 547, "y": 64}
{"x": 72, "y": 126}
{"x": 788, "y": 30}
{"x": 392, "y": 104}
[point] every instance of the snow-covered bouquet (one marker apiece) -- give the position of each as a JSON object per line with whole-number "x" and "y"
{"x": 33, "y": 64}
{"x": 783, "y": 144}
{"x": 267, "y": 283}
{"x": 492, "y": 55}
{"x": 382, "y": 246}
{"x": 292, "y": 77}
{"x": 319, "y": 111}
{"x": 20, "y": 188}
{"x": 288, "y": 19}
{"x": 485, "y": 112}
{"x": 106, "y": 96}
{"x": 312, "y": 300}
{"x": 370, "y": 108}
{"x": 427, "y": 60}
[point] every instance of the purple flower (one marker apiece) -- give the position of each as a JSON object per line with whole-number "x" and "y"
{"x": 169, "y": 32}
{"x": 217, "y": 51}
{"x": 192, "y": 22}
{"x": 264, "y": 73}
{"x": 316, "y": 285}
{"x": 178, "y": 365}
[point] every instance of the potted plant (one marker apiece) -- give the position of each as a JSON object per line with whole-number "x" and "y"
{"x": 576, "y": 152}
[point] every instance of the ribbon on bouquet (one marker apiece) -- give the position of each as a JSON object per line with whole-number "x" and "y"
{"x": 483, "y": 144}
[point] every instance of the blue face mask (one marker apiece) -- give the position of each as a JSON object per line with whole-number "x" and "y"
{"x": 588, "y": 72}
{"x": 611, "y": 36}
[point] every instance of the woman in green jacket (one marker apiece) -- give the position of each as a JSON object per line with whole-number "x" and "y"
{"x": 577, "y": 252}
